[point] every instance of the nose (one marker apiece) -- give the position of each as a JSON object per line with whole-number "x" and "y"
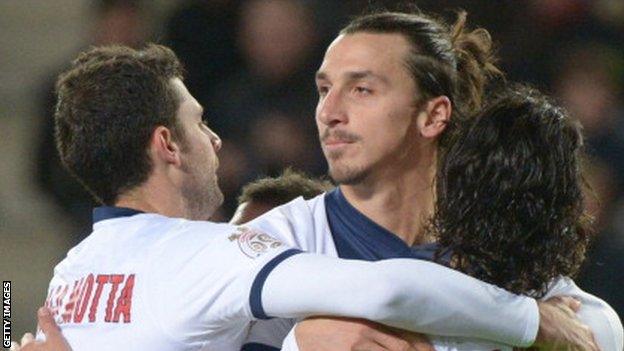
{"x": 331, "y": 109}
{"x": 215, "y": 140}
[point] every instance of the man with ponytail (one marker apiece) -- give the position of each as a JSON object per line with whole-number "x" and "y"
{"x": 393, "y": 90}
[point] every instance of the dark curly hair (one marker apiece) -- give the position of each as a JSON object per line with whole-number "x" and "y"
{"x": 509, "y": 203}
{"x": 109, "y": 102}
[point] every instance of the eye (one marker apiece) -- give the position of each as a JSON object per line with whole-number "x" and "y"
{"x": 362, "y": 90}
{"x": 322, "y": 90}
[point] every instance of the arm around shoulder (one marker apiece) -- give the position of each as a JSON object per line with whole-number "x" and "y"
{"x": 410, "y": 294}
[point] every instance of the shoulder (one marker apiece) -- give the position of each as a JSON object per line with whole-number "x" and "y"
{"x": 287, "y": 217}
{"x": 595, "y": 312}
{"x": 300, "y": 207}
{"x": 300, "y": 223}
{"x": 197, "y": 233}
{"x": 207, "y": 229}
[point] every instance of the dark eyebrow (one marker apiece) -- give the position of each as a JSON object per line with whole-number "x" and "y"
{"x": 320, "y": 75}
{"x": 356, "y": 75}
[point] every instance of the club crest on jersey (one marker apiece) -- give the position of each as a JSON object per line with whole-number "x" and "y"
{"x": 254, "y": 243}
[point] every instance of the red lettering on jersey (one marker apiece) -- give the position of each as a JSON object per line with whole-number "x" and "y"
{"x": 48, "y": 301}
{"x": 74, "y": 302}
{"x": 101, "y": 280}
{"x": 124, "y": 302}
{"x": 53, "y": 300}
{"x": 83, "y": 300}
{"x": 59, "y": 299}
{"x": 69, "y": 306}
{"x": 58, "y": 291}
{"x": 115, "y": 279}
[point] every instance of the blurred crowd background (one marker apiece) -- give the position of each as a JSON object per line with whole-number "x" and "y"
{"x": 251, "y": 64}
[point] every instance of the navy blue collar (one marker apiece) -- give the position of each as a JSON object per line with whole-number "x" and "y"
{"x": 358, "y": 237}
{"x": 109, "y": 212}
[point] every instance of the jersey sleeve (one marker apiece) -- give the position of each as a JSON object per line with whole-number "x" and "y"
{"x": 594, "y": 312}
{"x": 203, "y": 280}
{"x": 409, "y": 294}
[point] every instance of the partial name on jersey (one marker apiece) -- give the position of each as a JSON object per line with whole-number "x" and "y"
{"x": 79, "y": 303}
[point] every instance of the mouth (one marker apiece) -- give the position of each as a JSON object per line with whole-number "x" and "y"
{"x": 335, "y": 146}
{"x": 337, "y": 139}
{"x": 336, "y": 142}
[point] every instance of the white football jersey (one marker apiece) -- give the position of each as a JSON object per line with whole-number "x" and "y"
{"x": 149, "y": 282}
{"x": 304, "y": 225}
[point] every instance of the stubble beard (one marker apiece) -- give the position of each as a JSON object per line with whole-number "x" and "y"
{"x": 345, "y": 174}
{"x": 201, "y": 193}
{"x": 340, "y": 169}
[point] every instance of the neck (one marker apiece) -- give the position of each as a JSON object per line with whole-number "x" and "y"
{"x": 400, "y": 200}
{"x": 154, "y": 197}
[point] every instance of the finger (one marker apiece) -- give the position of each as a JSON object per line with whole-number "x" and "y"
{"x": 390, "y": 341}
{"x": 369, "y": 346}
{"x": 418, "y": 342}
{"x": 570, "y": 313}
{"x": 15, "y": 346}
{"x": 46, "y": 322}
{"x": 584, "y": 340}
{"x": 422, "y": 345}
{"x": 594, "y": 342}
{"x": 26, "y": 339}
{"x": 565, "y": 304}
{"x": 571, "y": 302}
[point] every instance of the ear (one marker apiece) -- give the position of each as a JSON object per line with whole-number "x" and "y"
{"x": 163, "y": 148}
{"x": 435, "y": 116}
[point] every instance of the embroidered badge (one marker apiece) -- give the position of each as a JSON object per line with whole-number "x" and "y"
{"x": 254, "y": 243}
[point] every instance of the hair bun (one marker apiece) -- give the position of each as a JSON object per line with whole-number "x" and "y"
{"x": 476, "y": 62}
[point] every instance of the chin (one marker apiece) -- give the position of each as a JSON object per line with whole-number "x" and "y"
{"x": 202, "y": 201}
{"x": 206, "y": 213}
{"x": 347, "y": 175}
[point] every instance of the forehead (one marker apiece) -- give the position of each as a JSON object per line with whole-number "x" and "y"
{"x": 180, "y": 89}
{"x": 377, "y": 52}
{"x": 188, "y": 104}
